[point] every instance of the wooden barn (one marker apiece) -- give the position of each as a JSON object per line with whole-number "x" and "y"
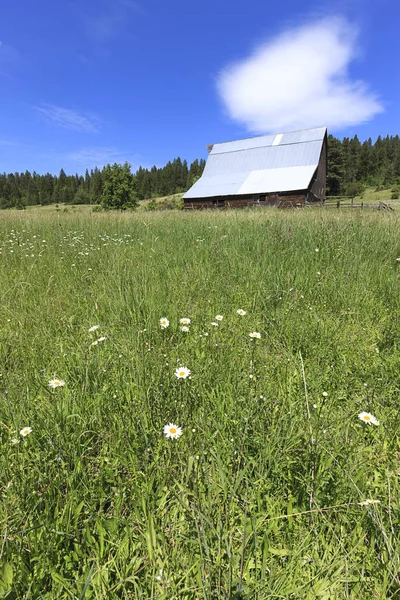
{"x": 283, "y": 170}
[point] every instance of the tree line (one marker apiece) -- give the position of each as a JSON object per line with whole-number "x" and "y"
{"x": 18, "y": 190}
{"x": 351, "y": 166}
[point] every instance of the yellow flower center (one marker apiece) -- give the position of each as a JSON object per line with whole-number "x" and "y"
{"x": 182, "y": 373}
{"x": 172, "y": 430}
{"x": 56, "y": 382}
{"x": 25, "y": 432}
{"x": 367, "y": 418}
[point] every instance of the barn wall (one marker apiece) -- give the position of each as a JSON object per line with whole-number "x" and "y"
{"x": 318, "y": 186}
{"x": 291, "y": 200}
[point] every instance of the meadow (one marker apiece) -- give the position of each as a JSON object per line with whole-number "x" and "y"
{"x": 276, "y": 488}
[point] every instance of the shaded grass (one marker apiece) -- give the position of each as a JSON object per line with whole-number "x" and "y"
{"x": 96, "y": 501}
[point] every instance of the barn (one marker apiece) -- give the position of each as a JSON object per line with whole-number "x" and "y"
{"x": 282, "y": 169}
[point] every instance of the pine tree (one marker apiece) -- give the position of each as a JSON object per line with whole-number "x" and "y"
{"x": 334, "y": 179}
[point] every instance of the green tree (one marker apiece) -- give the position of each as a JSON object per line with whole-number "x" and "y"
{"x": 334, "y": 179}
{"x": 82, "y": 196}
{"x": 354, "y": 188}
{"x": 119, "y": 187}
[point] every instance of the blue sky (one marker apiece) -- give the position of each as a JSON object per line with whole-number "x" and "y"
{"x": 87, "y": 82}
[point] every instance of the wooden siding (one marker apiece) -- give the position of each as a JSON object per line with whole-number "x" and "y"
{"x": 290, "y": 200}
{"x": 318, "y": 184}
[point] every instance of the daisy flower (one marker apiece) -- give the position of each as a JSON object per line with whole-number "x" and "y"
{"x": 182, "y": 373}
{"x": 369, "y": 502}
{"x": 219, "y": 318}
{"x": 55, "y": 383}
{"x": 214, "y": 324}
{"x": 15, "y": 441}
{"x": 93, "y": 328}
{"x": 255, "y": 334}
{"x": 368, "y": 418}
{"x": 172, "y": 431}
{"x": 164, "y": 323}
{"x": 25, "y": 431}
{"x": 184, "y": 328}
{"x": 184, "y": 321}
{"x": 241, "y": 312}
{"x": 101, "y": 339}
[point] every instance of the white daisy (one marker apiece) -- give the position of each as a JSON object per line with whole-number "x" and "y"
{"x": 164, "y": 323}
{"x": 241, "y": 312}
{"x": 255, "y": 334}
{"x": 184, "y": 321}
{"x": 25, "y": 431}
{"x": 182, "y": 373}
{"x": 15, "y": 441}
{"x": 219, "y": 318}
{"x": 368, "y": 418}
{"x": 369, "y": 502}
{"x": 93, "y": 328}
{"x": 55, "y": 383}
{"x": 172, "y": 431}
{"x": 184, "y": 328}
{"x": 101, "y": 339}
{"x": 214, "y": 324}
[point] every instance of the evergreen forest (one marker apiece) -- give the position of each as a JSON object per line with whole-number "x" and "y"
{"x": 352, "y": 165}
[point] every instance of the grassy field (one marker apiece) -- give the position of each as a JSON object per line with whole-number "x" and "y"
{"x": 276, "y": 489}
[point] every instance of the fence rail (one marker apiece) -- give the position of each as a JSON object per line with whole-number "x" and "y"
{"x": 340, "y": 204}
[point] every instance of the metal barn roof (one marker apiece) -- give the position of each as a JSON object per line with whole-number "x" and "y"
{"x": 281, "y": 162}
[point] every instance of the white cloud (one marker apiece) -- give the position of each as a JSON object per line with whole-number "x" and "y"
{"x": 97, "y": 156}
{"x": 299, "y": 79}
{"x": 69, "y": 119}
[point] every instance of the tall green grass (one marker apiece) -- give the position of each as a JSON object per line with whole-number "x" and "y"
{"x": 262, "y": 496}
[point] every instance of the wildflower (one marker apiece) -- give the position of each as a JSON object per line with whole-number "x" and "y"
{"x": 102, "y": 339}
{"x": 164, "y": 323}
{"x": 93, "y": 328}
{"x": 241, "y": 312}
{"x": 25, "y": 431}
{"x": 368, "y": 418}
{"x": 15, "y": 441}
{"x": 219, "y": 318}
{"x": 182, "y": 373}
{"x": 316, "y": 249}
{"x": 255, "y": 334}
{"x": 368, "y": 502}
{"x": 325, "y": 394}
{"x": 214, "y": 324}
{"x": 172, "y": 431}
{"x": 184, "y": 321}
{"x": 184, "y": 328}
{"x": 55, "y": 383}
